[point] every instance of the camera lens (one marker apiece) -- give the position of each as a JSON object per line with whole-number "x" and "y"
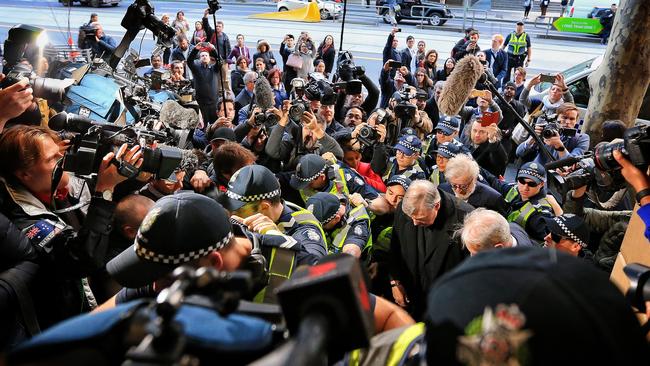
{"x": 604, "y": 155}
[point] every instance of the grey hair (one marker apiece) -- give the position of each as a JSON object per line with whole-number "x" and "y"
{"x": 250, "y": 76}
{"x": 421, "y": 193}
{"x": 483, "y": 228}
{"x": 462, "y": 165}
{"x": 439, "y": 84}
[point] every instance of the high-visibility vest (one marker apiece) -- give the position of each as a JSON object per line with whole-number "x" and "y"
{"x": 340, "y": 235}
{"x": 524, "y": 212}
{"x": 435, "y": 176}
{"x": 339, "y": 186}
{"x": 517, "y": 45}
{"x": 384, "y": 351}
{"x": 407, "y": 173}
{"x": 300, "y": 216}
{"x": 281, "y": 265}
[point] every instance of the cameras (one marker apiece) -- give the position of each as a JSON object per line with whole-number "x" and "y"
{"x": 367, "y": 135}
{"x": 266, "y": 118}
{"x": 213, "y": 6}
{"x": 346, "y": 69}
{"x": 90, "y": 141}
{"x": 298, "y": 107}
{"x": 46, "y": 88}
{"x": 551, "y": 127}
{"x": 635, "y": 147}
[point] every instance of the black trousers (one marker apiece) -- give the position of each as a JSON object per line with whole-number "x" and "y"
{"x": 514, "y": 62}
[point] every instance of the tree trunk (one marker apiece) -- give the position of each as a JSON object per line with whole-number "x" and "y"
{"x": 620, "y": 82}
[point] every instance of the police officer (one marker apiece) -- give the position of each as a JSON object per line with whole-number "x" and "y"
{"x": 570, "y": 234}
{"x": 518, "y": 44}
{"x": 446, "y": 130}
{"x": 314, "y": 174}
{"x": 444, "y": 152}
{"x": 347, "y": 229}
{"x": 405, "y": 162}
{"x": 192, "y": 229}
{"x": 529, "y": 206}
{"x": 253, "y": 194}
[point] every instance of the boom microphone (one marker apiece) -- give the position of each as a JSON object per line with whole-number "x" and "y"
{"x": 459, "y": 85}
{"x": 264, "y": 96}
{"x": 564, "y": 162}
{"x": 175, "y": 115}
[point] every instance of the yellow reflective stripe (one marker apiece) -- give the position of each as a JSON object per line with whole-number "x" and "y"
{"x": 403, "y": 344}
{"x": 516, "y": 43}
{"x": 521, "y": 216}
{"x": 354, "y": 357}
{"x": 512, "y": 193}
{"x": 305, "y": 217}
{"x": 280, "y": 269}
{"x": 389, "y": 168}
{"x": 435, "y": 176}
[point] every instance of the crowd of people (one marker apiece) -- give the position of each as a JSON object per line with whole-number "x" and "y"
{"x": 368, "y": 168}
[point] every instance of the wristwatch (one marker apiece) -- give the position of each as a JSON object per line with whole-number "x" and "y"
{"x": 106, "y": 195}
{"x": 642, "y": 194}
{"x": 394, "y": 283}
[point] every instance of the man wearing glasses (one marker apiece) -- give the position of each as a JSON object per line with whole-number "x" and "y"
{"x": 529, "y": 206}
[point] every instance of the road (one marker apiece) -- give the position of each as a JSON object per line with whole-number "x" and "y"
{"x": 364, "y": 34}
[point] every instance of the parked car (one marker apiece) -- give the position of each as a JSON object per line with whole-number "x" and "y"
{"x": 434, "y": 13}
{"x": 328, "y": 9}
{"x": 93, "y": 3}
{"x": 576, "y": 79}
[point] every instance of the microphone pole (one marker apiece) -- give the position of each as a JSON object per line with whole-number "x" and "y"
{"x": 520, "y": 120}
{"x": 223, "y": 84}
{"x": 345, "y": 10}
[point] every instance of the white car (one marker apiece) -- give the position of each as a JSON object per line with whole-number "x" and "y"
{"x": 588, "y": 8}
{"x": 576, "y": 79}
{"x": 328, "y": 9}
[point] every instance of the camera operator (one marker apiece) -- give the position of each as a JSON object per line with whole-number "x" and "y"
{"x": 101, "y": 43}
{"x": 641, "y": 184}
{"x": 69, "y": 246}
{"x": 206, "y": 79}
{"x": 561, "y": 143}
{"x": 347, "y": 99}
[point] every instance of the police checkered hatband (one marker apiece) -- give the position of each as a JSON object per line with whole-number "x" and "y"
{"x": 253, "y": 198}
{"x": 531, "y": 173}
{"x": 330, "y": 218}
{"x": 151, "y": 256}
{"x": 445, "y": 150}
{"x": 568, "y": 232}
{"x": 309, "y": 179}
{"x": 408, "y": 146}
{"x": 447, "y": 125}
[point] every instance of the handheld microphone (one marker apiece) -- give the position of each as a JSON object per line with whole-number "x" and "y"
{"x": 459, "y": 85}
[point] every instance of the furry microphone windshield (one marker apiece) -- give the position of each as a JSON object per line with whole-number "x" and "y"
{"x": 459, "y": 85}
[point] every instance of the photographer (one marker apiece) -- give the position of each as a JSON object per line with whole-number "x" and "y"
{"x": 288, "y": 142}
{"x": 390, "y": 84}
{"x": 641, "y": 184}
{"x": 69, "y": 245}
{"x": 219, "y": 39}
{"x": 558, "y": 94}
{"x": 561, "y": 140}
{"x": 102, "y": 44}
{"x": 350, "y": 98}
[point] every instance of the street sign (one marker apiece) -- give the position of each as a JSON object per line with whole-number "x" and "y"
{"x": 578, "y": 25}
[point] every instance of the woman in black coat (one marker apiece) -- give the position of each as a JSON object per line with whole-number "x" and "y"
{"x": 327, "y": 52}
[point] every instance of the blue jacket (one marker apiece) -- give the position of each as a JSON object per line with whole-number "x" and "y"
{"x": 575, "y": 146}
{"x": 389, "y": 52}
{"x": 499, "y": 65}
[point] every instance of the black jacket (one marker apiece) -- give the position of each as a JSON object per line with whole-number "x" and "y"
{"x": 420, "y": 255}
{"x": 66, "y": 251}
{"x": 206, "y": 78}
{"x": 483, "y": 196}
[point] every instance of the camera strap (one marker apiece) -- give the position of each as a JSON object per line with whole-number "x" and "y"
{"x": 125, "y": 169}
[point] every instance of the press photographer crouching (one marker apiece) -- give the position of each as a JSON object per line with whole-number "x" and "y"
{"x": 67, "y": 244}
{"x": 92, "y": 36}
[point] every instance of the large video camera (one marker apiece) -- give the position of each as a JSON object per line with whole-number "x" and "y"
{"x": 346, "y": 69}
{"x": 322, "y": 90}
{"x": 90, "y": 141}
{"x": 20, "y": 40}
{"x": 601, "y": 167}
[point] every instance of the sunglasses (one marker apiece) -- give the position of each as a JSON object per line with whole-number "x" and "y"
{"x": 527, "y": 183}
{"x": 555, "y": 237}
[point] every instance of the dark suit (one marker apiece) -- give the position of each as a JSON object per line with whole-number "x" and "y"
{"x": 420, "y": 255}
{"x": 243, "y": 99}
{"x": 499, "y": 64}
{"x": 483, "y": 196}
{"x": 407, "y": 59}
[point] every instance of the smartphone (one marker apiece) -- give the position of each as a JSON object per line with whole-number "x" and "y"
{"x": 394, "y": 64}
{"x": 547, "y": 78}
{"x": 398, "y": 29}
{"x": 477, "y": 93}
{"x": 489, "y": 118}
